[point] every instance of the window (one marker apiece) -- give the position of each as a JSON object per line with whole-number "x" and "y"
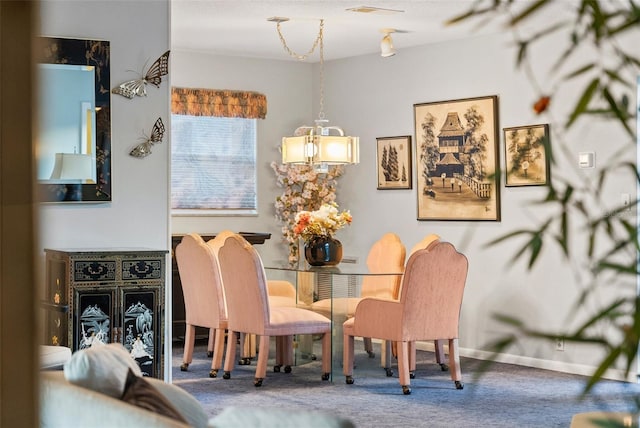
{"x": 213, "y": 164}
{"x": 213, "y": 157}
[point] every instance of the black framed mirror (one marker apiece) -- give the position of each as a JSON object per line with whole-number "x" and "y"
{"x": 73, "y": 140}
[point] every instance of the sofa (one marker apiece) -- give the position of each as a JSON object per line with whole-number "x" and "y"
{"x": 103, "y": 387}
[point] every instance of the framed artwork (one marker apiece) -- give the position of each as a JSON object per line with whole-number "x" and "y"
{"x": 457, "y": 160}
{"x": 525, "y": 153}
{"x": 394, "y": 162}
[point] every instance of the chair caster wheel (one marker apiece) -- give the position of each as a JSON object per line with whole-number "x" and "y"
{"x": 245, "y": 361}
{"x": 213, "y": 373}
{"x": 276, "y": 369}
{"x": 371, "y": 354}
{"x": 412, "y": 375}
{"x": 209, "y": 354}
{"x": 226, "y": 375}
{"x": 287, "y": 369}
{"x": 313, "y": 357}
{"x": 444, "y": 367}
{"x": 257, "y": 382}
{"x": 349, "y": 380}
{"x": 325, "y": 376}
{"x": 184, "y": 367}
{"x": 388, "y": 371}
{"x": 459, "y": 385}
{"x": 406, "y": 390}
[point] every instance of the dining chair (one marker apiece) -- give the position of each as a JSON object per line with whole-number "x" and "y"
{"x": 386, "y": 255}
{"x": 280, "y": 292}
{"x": 425, "y": 310}
{"x": 203, "y": 298}
{"x": 250, "y": 311}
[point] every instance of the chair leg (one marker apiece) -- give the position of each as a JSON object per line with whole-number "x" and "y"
{"x": 368, "y": 346}
{"x": 347, "y": 357}
{"x": 247, "y": 348}
{"x": 189, "y": 342}
{"x": 218, "y": 351}
{"x": 263, "y": 356}
{"x": 403, "y": 367}
{"x": 412, "y": 359}
{"x": 211, "y": 342}
{"x": 284, "y": 351}
{"x": 440, "y": 358}
{"x": 326, "y": 355}
{"x": 454, "y": 361}
{"x": 230, "y": 357}
{"x": 385, "y": 357}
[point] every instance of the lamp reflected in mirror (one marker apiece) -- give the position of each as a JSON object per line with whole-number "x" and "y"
{"x": 73, "y": 167}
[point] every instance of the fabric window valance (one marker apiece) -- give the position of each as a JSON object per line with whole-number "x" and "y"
{"x": 218, "y": 103}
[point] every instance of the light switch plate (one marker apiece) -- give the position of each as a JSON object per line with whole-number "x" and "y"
{"x": 587, "y": 159}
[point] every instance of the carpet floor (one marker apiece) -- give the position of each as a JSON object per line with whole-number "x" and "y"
{"x": 503, "y": 395}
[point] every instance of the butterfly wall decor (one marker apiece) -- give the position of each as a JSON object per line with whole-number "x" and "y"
{"x": 153, "y": 76}
{"x": 144, "y": 149}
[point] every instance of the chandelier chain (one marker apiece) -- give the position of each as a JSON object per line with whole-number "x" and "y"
{"x": 296, "y": 55}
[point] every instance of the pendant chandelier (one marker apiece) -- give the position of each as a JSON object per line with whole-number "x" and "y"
{"x": 320, "y": 145}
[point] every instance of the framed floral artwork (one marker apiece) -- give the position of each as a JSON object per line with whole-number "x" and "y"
{"x": 457, "y": 160}
{"x": 394, "y": 162}
{"x": 526, "y": 155}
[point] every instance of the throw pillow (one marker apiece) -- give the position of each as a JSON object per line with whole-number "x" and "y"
{"x": 139, "y": 392}
{"x": 102, "y": 368}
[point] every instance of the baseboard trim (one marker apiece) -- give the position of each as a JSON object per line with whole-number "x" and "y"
{"x": 558, "y": 366}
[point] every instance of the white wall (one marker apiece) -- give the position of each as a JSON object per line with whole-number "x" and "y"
{"x": 138, "y": 32}
{"x": 137, "y": 216}
{"x": 373, "y": 97}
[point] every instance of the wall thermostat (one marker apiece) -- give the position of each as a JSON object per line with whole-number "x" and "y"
{"x": 587, "y": 159}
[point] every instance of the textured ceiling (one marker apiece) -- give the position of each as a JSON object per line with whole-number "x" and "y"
{"x": 241, "y": 27}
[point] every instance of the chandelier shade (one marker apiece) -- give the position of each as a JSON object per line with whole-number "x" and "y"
{"x": 317, "y": 145}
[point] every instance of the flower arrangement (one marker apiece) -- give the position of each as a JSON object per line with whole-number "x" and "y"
{"x": 324, "y": 221}
{"x": 304, "y": 190}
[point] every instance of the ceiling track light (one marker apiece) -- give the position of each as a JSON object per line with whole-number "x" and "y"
{"x": 386, "y": 45}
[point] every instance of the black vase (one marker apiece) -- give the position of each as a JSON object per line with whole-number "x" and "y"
{"x": 323, "y": 251}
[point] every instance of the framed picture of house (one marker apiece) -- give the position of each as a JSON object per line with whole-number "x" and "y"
{"x": 526, "y": 155}
{"x": 394, "y": 162}
{"x": 457, "y": 160}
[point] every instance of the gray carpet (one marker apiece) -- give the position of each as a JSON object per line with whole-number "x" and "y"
{"x": 504, "y": 396}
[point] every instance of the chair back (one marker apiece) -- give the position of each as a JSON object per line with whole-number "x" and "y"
{"x": 424, "y": 243}
{"x": 245, "y": 285}
{"x": 386, "y": 255}
{"x": 199, "y": 274}
{"x": 432, "y": 290}
{"x": 215, "y": 244}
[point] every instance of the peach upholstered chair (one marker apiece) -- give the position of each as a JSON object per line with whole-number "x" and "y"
{"x": 203, "y": 298}
{"x": 386, "y": 255}
{"x": 281, "y": 293}
{"x": 245, "y": 287}
{"x": 428, "y": 308}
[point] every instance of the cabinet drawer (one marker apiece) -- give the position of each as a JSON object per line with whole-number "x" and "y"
{"x": 142, "y": 269}
{"x": 94, "y": 270}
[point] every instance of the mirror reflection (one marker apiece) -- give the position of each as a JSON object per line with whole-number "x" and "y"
{"x": 73, "y": 147}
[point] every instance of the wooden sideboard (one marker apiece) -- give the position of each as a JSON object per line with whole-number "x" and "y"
{"x": 177, "y": 296}
{"x": 107, "y": 295}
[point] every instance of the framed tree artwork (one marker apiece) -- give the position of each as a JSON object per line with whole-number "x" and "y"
{"x": 525, "y": 153}
{"x": 457, "y": 160}
{"x": 394, "y": 162}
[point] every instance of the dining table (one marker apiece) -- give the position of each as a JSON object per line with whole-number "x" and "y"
{"x": 315, "y": 283}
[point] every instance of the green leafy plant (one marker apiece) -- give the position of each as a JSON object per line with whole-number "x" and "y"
{"x": 612, "y": 244}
